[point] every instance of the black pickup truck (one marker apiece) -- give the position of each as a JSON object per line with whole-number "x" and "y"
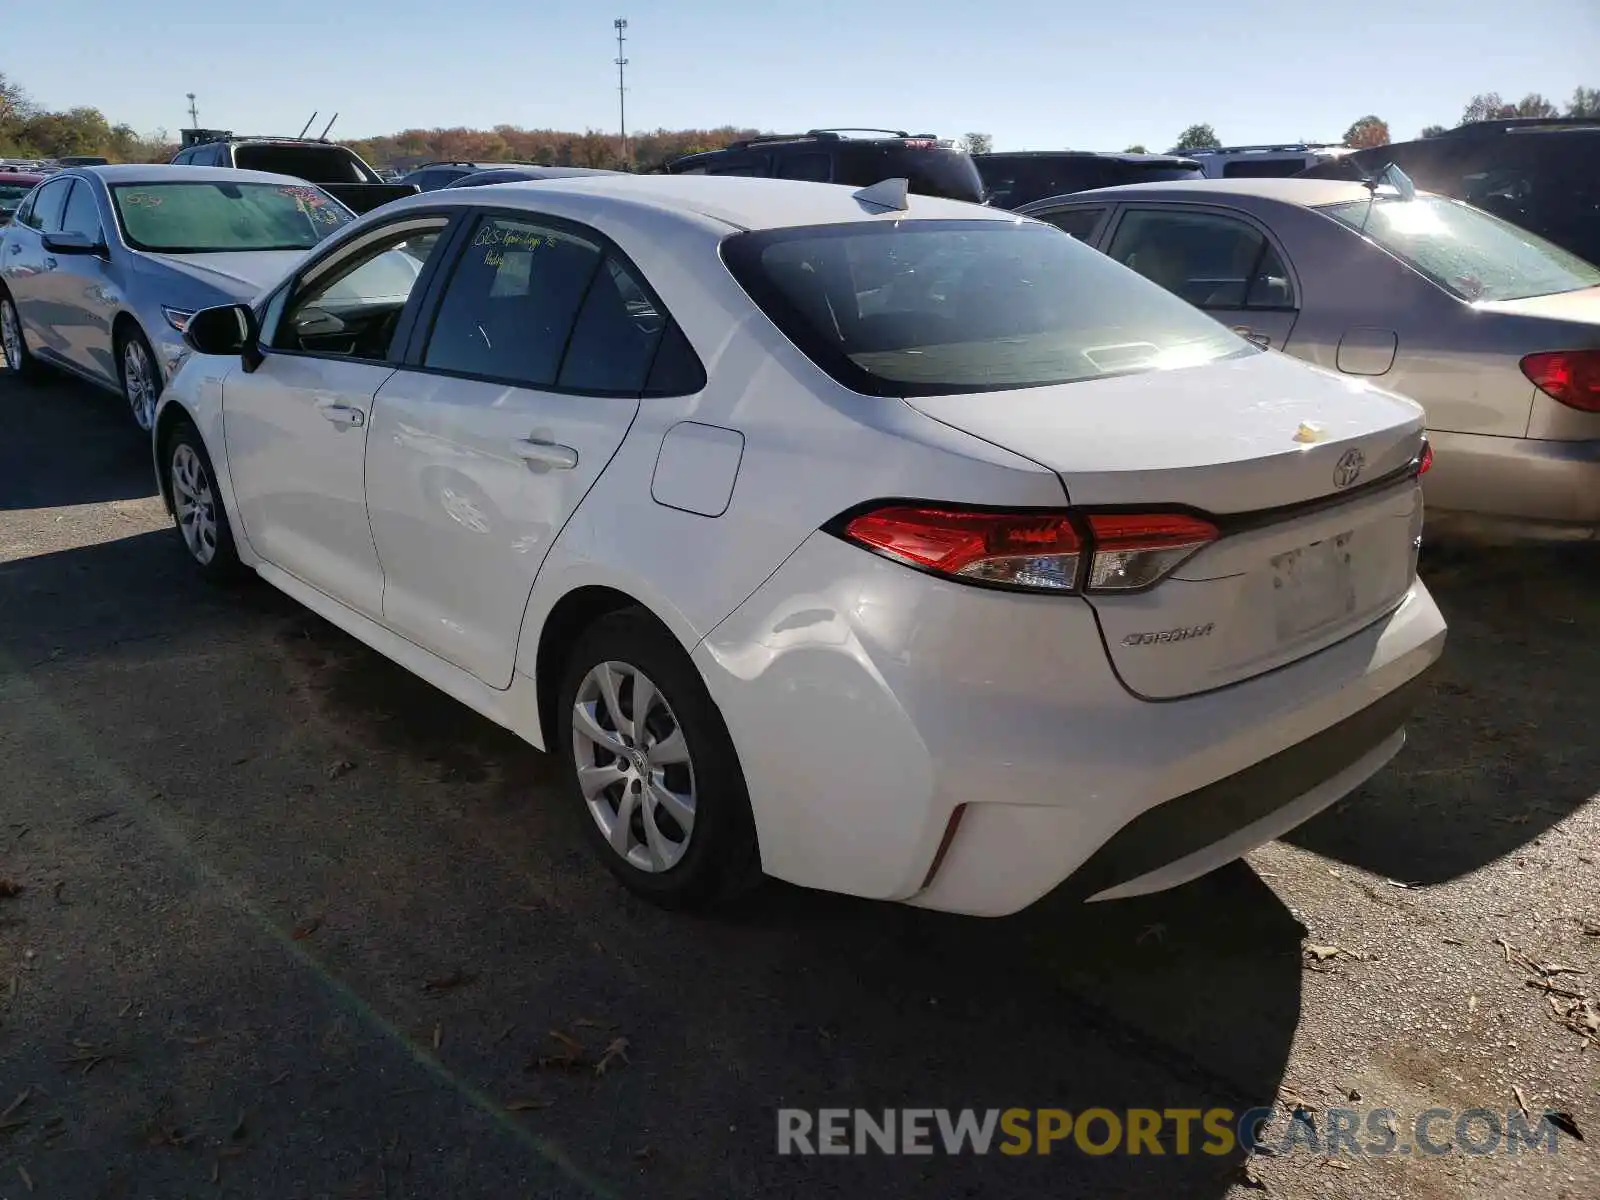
{"x": 337, "y": 170}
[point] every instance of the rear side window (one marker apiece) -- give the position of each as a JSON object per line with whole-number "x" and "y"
{"x": 740, "y": 164}
{"x": 920, "y": 308}
{"x": 1210, "y": 260}
{"x": 615, "y": 338}
{"x": 318, "y": 164}
{"x": 512, "y": 302}
{"x": 1079, "y": 222}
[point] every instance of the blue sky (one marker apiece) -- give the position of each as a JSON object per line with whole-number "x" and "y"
{"x": 1036, "y": 76}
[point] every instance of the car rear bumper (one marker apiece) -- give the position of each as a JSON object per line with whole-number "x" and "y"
{"x": 890, "y": 723}
{"x": 1513, "y": 488}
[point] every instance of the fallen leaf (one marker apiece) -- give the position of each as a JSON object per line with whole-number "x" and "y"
{"x": 438, "y": 1036}
{"x": 1472, "y": 1004}
{"x": 615, "y": 1052}
{"x": 9, "y": 888}
{"x": 1522, "y": 1101}
{"x": 1336, "y": 1164}
{"x": 1450, "y": 941}
{"x": 55, "y": 892}
{"x": 444, "y": 983}
{"x": 527, "y": 1105}
{"x": 341, "y": 767}
{"x": 1323, "y": 953}
{"x": 306, "y": 928}
{"x": 27, "y": 1180}
{"x": 644, "y": 1154}
{"x": 1564, "y": 1122}
{"x": 1559, "y": 969}
{"x": 16, "y": 1105}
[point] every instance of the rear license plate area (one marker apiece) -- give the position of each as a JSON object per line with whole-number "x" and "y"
{"x": 1313, "y": 586}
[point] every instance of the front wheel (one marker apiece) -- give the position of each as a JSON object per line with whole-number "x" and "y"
{"x": 653, "y": 768}
{"x": 141, "y": 378}
{"x": 14, "y": 355}
{"x": 197, "y": 509}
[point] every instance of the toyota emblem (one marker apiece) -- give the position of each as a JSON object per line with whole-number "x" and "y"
{"x": 1348, "y": 469}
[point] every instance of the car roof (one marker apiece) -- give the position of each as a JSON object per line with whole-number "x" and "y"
{"x": 742, "y": 202}
{"x": 1306, "y": 193}
{"x": 179, "y": 173}
{"x": 22, "y": 176}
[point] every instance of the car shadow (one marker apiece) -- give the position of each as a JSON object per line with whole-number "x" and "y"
{"x": 69, "y": 443}
{"x": 1500, "y": 750}
{"x": 291, "y": 766}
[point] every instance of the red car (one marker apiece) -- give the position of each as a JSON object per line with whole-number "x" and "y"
{"x": 14, "y": 185}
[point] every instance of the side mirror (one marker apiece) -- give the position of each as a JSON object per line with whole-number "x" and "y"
{"x": 226, "y": 329}
{"x": 72, "y": 242}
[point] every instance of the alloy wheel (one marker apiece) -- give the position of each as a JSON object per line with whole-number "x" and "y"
{"x": 634, "y": 766}
{"x": 194, "y": 503}
{"x": 10, "y": 335}
{"x": 138, "y": 382}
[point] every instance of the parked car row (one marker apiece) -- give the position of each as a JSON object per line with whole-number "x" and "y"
{"x": 869, "y": 539}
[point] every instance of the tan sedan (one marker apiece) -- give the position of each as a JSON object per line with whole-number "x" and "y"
{"x": 1494, "y": 331}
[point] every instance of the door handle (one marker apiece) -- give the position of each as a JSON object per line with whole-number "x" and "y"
{"x": 546, "y": 454}
{"x": 343, "y": 414}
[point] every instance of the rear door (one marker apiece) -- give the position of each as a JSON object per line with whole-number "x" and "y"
{"x": 1220, "y": 260}
{"x": 527, "y": 377}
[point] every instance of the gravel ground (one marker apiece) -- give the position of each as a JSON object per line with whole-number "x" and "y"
{"x": 292, "y": 924}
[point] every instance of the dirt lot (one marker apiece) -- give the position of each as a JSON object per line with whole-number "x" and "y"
{"x": 291, "y": 924}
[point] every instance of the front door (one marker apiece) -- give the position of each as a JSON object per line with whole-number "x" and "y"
{"x": 297, "y": 426}
{"x": 1221, "y": 262}
{"x": 80, "y": 294}
{"x": 542, "y": 343}
{"x": 26, "y": 264}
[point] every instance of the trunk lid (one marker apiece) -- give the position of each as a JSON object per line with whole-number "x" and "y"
{"x": 1581, "y": 306}
{"x": 1309, "y": 551}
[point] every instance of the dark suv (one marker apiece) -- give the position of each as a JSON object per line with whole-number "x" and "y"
{"x": 1015, "y": 179}
{"x": 857, "y": 157}
{"x": 337, "y": 169}
{"x": 1541, "y": 174}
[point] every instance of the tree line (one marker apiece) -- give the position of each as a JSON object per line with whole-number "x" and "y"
{"x": 30, "y": 131}
{"x": 1372, "y": 130}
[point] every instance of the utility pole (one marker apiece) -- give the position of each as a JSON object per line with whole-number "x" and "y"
{"x": 194, "y": 113}
{"x": 621, "y": 26}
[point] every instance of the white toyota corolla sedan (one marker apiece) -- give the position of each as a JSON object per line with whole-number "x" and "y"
{"x": 878, "y": 543}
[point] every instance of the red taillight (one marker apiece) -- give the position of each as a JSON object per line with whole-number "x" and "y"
{"x": 1425, "y": 459}
{"x": 1040, "y": 551}
{"x": 1569, "y": 376}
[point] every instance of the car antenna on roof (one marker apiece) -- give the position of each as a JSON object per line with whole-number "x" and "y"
{"x": 307, "y": 125}
{"x": 1395, "y": 178}
{"x": 887, "y": 195}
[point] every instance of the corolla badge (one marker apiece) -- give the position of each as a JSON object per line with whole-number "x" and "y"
{"x": 1349, "y": 467}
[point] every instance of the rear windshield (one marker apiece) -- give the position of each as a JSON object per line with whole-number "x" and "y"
{"x": 319, "y": 164}
{"x": 929, "y": 171}
{"x": 208, "y": 218}
{"x": 1014, "y": 180}
{"x": 1468, "y": 252}
{"x": 928, "y": 308}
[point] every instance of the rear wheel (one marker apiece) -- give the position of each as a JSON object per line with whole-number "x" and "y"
{"x": 14, "y": 355}
{"x": 653, "y": 768}
{"x": 197, "y": 508}
{"x": 141, "y": 378}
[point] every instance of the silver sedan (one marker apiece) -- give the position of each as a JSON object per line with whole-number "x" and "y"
{"x": 1495, "y": 331}
{"x": 101, "y": 267}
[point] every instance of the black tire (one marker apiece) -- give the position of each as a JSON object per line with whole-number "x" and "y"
{"x": 26, "y": 366}
{"x": 720, "y": 862}
{"x": 183, "y": 452}
{"x": 133, "y": 338}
